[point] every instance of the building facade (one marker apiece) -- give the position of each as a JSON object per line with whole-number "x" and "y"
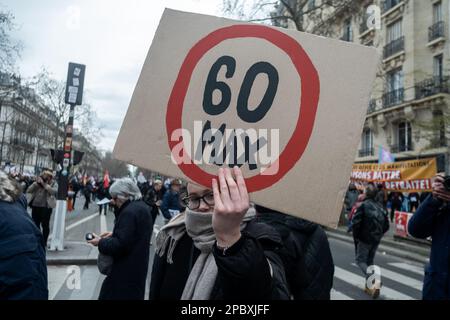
{"x": 28, "y": 130}
{"x": 411, "y": 95}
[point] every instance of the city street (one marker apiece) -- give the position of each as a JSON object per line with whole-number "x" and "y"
{"x": 402, "y": 279}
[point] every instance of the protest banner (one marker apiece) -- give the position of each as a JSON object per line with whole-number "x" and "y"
{"x": 215, "y": 92}
{"x": 403, "y": 176}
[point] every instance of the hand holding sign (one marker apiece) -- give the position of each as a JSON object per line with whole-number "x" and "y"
{"x": 231, "y": 205}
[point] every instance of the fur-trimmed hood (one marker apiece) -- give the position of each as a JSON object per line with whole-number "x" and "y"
{"x": 10, "y": 191}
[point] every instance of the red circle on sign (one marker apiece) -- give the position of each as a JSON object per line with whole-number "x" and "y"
{"x": 310, "y": 89}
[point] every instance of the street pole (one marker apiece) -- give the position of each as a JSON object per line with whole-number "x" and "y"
{"x": 57, "y": 242}
{"x": 74, "y": 96}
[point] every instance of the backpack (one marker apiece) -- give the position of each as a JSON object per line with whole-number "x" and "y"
{"x": 306, "y": 255}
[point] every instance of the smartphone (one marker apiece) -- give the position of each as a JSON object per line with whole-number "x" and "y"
{"x": 89, "y": 236}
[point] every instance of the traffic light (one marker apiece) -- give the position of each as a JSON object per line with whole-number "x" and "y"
{"x": 77, "y": 157}
{"x": 57, "y": 156}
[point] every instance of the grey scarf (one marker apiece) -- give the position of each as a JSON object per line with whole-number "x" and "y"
{"x": 199, "y": 228}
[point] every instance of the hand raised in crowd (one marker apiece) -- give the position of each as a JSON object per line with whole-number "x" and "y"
{"x": 231, "y": 204}
{"x": 439, "y": 190}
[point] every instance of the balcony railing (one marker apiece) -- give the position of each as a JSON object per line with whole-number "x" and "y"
{"x": 401, "y": 148}
{"x": 366, "y": 152}
{"x": 436, "y": 31}
{"x": 432, "y": 86}
{"x": 389, "y": 4}
{"x": 372, "y": 106}
{"x": 393, "y": 98}
{"x": 363, "y": 26}
{"x": 394, "y": 47}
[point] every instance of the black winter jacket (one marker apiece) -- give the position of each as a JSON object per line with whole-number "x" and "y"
{"x": 23, "y": 269}
{"x": 129, "y": 246}
{"x": 244, "y": 273}
{"x": 370, "y": 222}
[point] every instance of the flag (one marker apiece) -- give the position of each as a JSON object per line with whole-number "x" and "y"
{"x": 384, "y": 156}
{"x": 106, "y": 180}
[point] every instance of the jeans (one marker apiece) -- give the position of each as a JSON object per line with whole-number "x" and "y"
{"x": 365, "y": 254}
{"x": 41, "y": 216}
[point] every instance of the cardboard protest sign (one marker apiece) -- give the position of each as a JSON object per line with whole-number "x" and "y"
{"x": 403, "y": 176}
{"x": 287, "y": 107}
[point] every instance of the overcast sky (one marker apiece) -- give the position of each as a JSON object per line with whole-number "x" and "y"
{"x": 111, "y": 37}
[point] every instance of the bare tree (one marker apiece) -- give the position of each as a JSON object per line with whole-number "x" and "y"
{"x": 116, "y": 168}
{"x": 53, "y": 93}
{"x": 303, "y": 14}
{"x": 9, "y": 48}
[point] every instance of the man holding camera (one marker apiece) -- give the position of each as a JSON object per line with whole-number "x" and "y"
{"x": 432, "y": 218}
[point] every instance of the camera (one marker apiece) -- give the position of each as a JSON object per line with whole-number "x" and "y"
{"x": 447, "y": 183}
{"x": 89, "y": 236}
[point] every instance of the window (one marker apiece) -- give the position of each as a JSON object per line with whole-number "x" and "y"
{"x": 367, "y": 141}
{"x": 404, "y": 136}
{"x": 437, "y": 12}
{"x": 437, "y": 66}
{"x": 348, "y": 33}
{"x": 395, "y": 80}
{"x": 394, "y": 31}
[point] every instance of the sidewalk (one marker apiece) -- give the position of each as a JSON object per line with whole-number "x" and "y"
{"x": 75, "y": 253}
{"x": 78, "y": 223}
{"x": 410, "y": 248}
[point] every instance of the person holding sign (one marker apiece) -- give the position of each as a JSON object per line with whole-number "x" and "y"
{"x": 215, "y": 250}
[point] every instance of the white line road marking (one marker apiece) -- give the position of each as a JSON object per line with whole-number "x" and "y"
{"x": 336, "y": 295}
{"x": 76, "y": 224}
{"x": 56, "y": 279}
{"x": 359, "y": 281}
{"x": 398, "y": 277}
{"x": 103, "y": 227}
{"x": 408, "y": 267}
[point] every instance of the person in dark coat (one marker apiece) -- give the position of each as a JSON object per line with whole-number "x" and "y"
{"x": 171, "y": 203}
{"x": 153, "y": 197}
{"x": 432, "y": 219}
{"x": 23, "y": 269}
{"x": 128, "y": 244}
{"x": 369, "y": 225}
{"x": 306, "y": 255}
{"x": 396, "y": 203}
{"x": 87, "y": 190}
{"x": 215, "y": 250}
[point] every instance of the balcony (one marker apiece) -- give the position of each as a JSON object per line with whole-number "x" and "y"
{"x": 393, "y": 98}
{"x": 389, "y": 4}
{"x": 363, "y": 26}
{"x": 401, "y": 148}
{"x": 366, "y": 152}
{"x": 436, "y": 31}
{"x": 372, "y": 106}
{"x": 432, "y": 86}
{"x": 394, "y": 47}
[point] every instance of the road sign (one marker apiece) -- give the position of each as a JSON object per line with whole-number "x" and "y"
{"x": 75, "y": 82}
